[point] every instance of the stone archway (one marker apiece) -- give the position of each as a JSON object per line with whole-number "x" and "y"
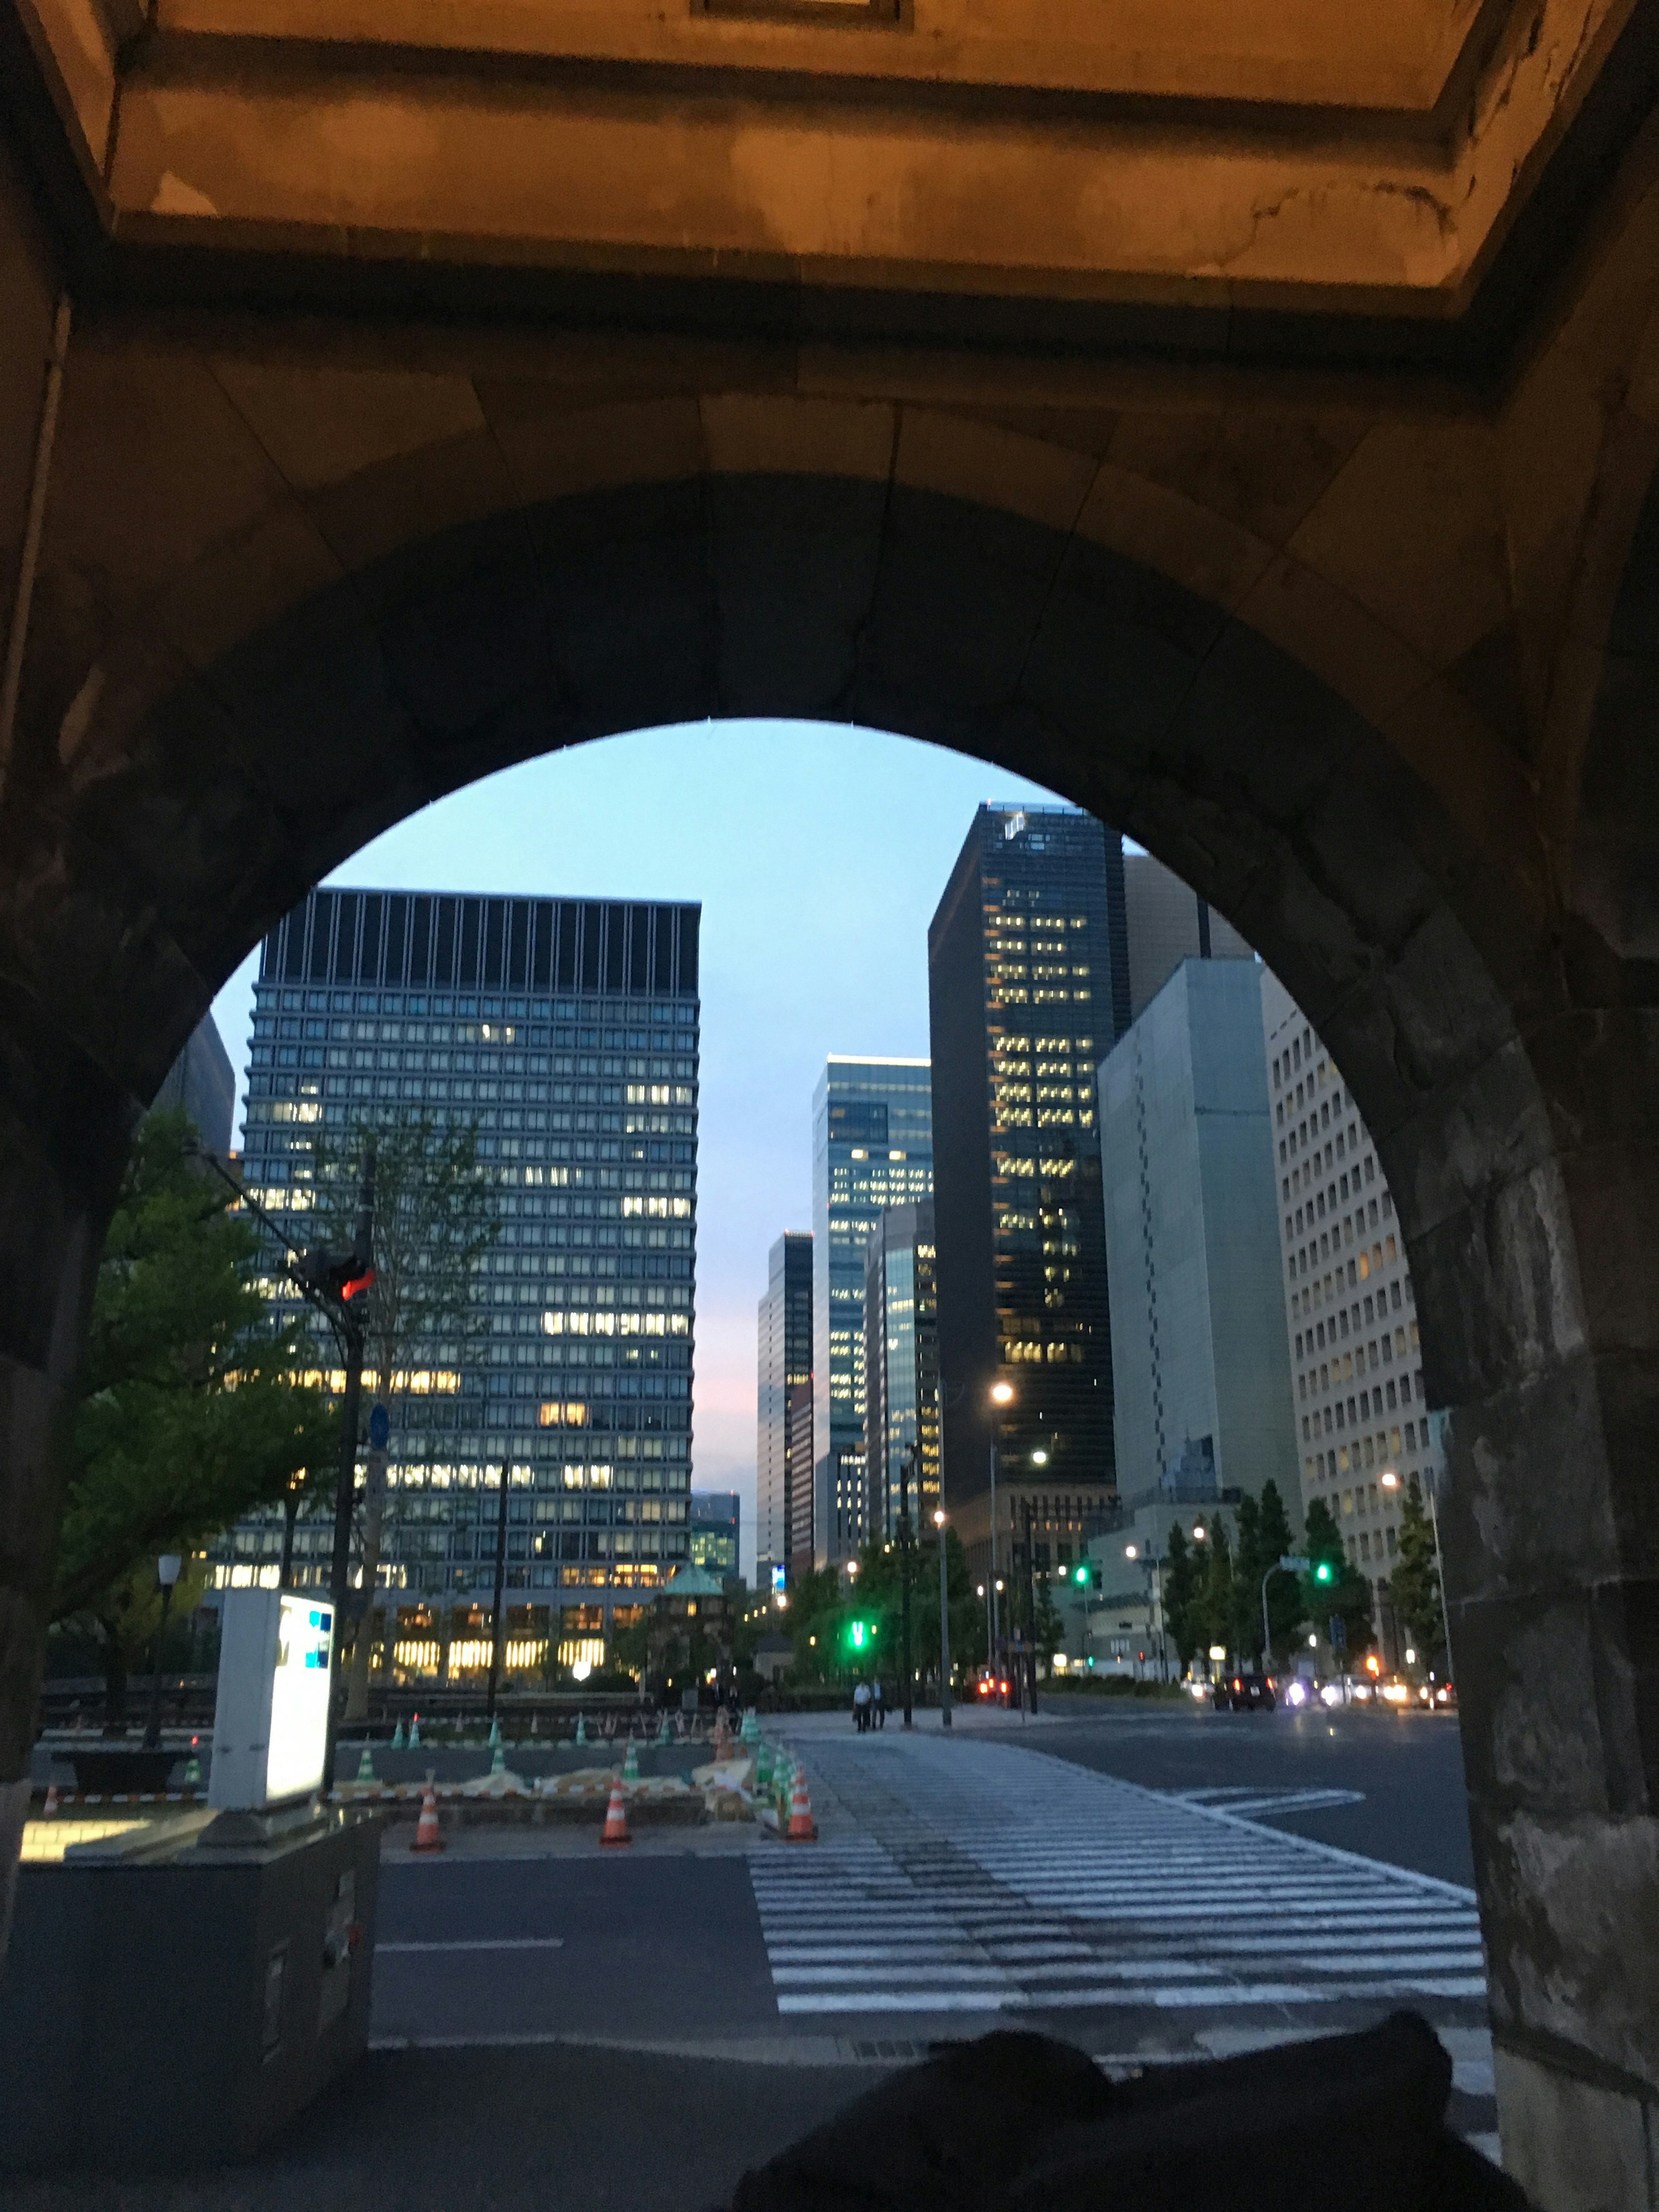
{"x": 970, "y": 584}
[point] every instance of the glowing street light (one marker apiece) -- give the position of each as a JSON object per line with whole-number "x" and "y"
{"x": 1197, "y": 1532}
{"x": 1039, "y": 1459}
{"x": 1132, "y": 1551}
{"x": 1003, "y": 1393}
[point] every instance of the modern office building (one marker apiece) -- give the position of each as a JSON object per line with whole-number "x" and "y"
{"x": 1351, "y": 1314}
{"x": 901, "y": 1369}
{"x": 1027, "y": 987}
{"x": 716, "y": 1529}
{"x": 202, "y": 1083}
{"x": 873, "y": 1147}
{"x": 803, "y": 1464}
{"x": 1199, "y": 1364}
{"x": 566, "y": 1033}
{"x": 1165, "y": 923}
{"x": 783, "y": 1363}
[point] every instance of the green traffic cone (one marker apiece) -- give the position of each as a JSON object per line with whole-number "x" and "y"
{"x": 749, "y": 1732}
{"x": 192, "y": 1773}
{"x": 495, "y": 1734}
{"x": 397, "y": 1737}
{"x": 415, "y": 1733}
{"x": 581, "y": 1728}
{"x": 498, "y": 1760}
{"x": 365, "y": 1765}
{"x": 631, "y": 1763}
{"x": 663, "y": 1734}
{"x": 763, "y": 1765}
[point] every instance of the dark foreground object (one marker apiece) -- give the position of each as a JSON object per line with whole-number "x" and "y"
{"x": 1022, "y": 2123}
{"x": 167, "y": 2002}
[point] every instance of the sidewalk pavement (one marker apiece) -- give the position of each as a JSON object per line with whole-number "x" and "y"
{"x": 500, "y": 2129}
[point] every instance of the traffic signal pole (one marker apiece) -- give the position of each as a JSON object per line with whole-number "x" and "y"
{"x": 500, "y": 1584}
{"x": 351, "y": 1331}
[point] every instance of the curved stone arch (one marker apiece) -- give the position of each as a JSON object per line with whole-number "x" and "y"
{"x": 161, "y": 840}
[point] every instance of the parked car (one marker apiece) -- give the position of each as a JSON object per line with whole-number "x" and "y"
{"x": 1244, "y": 1693}
{"x": 992, "y": 1688}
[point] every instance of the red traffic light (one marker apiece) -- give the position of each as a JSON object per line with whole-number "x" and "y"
{"x": 359, "y": 1280}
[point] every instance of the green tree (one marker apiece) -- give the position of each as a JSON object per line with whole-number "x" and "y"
{"x": 437, "y": 1217}
{"x": 1270, "y": 1541}
{"x": 1183, "y": 1580}
{"x": 1414, "y": 1583}
{"x": 1215, "y": 1608}
{"x": 190, "y": 1413}
{"x": 1345, "y": 1592}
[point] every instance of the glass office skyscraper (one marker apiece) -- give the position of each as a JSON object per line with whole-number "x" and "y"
{"x": 783, "y": 1455}
{"x": 901, "y": 1369}
{"x": 1027, "y": 988}
{"x": 566, "y": 1032}
{"x": 873, "y": 1147}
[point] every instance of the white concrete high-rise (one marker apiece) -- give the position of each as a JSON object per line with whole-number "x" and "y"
{"x": 1349, "y": 1309}
{"x": 1198, "y": 1351}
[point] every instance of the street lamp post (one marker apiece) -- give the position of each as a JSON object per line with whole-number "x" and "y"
{"x": 944, "y": 1626}
{"x": 1002, "y": 1394}
{"x": 167, "y": 1569}
{"x": 1391, "y": 1481}
{"x": 495, "y": 1620}
{"x": 904, "y": 1576}
{"x": 1290, "y": 1564}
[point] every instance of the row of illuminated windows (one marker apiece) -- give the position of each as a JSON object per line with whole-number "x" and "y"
{"x": 1347, "y": 1414}
{"x": 603, "y": 1322}
{"x": 560, "y": 1066}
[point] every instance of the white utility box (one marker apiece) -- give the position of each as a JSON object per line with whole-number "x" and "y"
{"x": 270, "y": 1724}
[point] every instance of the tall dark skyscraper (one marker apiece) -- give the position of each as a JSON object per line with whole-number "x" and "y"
{"x": 1028, "y": 979}
{"x": 783, "y": 1481}
{"x": 566, "y": 1032}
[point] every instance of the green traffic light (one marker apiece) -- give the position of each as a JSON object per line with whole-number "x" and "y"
{"x": 1323, "y": 1571}
{"x": 1081, "y": 1576}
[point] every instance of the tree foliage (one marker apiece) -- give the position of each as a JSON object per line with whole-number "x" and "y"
{"x": 1182, "y": 1581}
{"x": 1414, "y": 1583}
{"x": 188, "y": 1414}
{"x": 437, "y": 1217}
{"x": 1347, "y": 1593}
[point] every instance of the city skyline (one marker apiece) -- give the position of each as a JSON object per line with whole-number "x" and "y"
{"x": 815, "y": 911}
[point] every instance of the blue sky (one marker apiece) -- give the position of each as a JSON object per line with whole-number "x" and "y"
{"x": 819, "y": 853}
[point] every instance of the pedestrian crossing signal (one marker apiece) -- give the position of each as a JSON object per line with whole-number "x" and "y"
{"x": 859, "y": 1632}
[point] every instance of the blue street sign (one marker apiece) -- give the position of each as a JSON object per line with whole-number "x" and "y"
{"x": 380, "y": 1428}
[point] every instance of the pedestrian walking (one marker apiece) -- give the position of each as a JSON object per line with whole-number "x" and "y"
{"x": 878, "y": 1704}
{"x": 862, "y": 1707}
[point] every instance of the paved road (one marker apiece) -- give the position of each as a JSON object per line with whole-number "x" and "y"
{"x": 1389, "y": 1786}
{"x": 960, "y": 1883}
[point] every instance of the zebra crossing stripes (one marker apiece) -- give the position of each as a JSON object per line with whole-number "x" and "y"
{"x": 987, "y": 1878}
{"x": 1269, "y": 1804}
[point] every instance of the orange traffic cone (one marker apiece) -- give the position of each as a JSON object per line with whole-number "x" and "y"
{"x": 802, "y": 1829}
{"x": 427, "y": 1837}
{"x": 49, "y": 1809}
{"x": 615, "y": 1830}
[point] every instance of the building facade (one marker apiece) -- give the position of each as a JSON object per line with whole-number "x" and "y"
{"x": 1165, "y": 923}
{"x": 202, "y": 1083}
{"x": 1027, "y": 986}
{"x": 873, "y": 1147}
{"x": 1199, "y": 1349}
{"x": 783, "y": 1364}
{"x": 1360, "y": 1414}
{"x": 901, "y": 1369}
{"x": 716, "y": 1531}
{"x": 566, "y": 1033}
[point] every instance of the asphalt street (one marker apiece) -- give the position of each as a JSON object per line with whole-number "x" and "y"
{"x": 1393, "y": 1782}
{"x": 1150, "y": 1882}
